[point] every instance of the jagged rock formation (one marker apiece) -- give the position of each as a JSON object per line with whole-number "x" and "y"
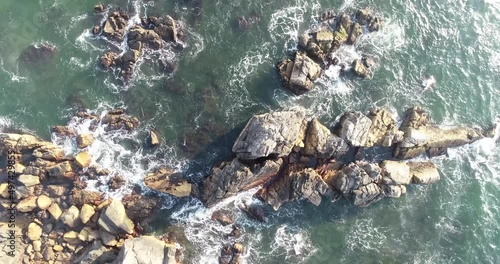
{"x": 317, "y": 49}
{"x": 233, "y": 177}
{"x": 293, "y": 186}
{"x": 309, "y": 169}
{"x": 421, "y": 136}
{"x": 320, "y": 142}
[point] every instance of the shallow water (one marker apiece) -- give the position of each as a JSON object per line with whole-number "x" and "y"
{"x": 225, "y": 75}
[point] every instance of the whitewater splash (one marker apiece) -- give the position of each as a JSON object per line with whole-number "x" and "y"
{"x": 294, "y": 242}
{"x": 119, "y": 151}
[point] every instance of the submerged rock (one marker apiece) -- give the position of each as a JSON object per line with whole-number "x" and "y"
{"x": 300, "y": 74}
{"x": 223, "y": 217}
{"x": 117, "y": 119}
{"x": 38, "y": 54}
{"x": 271, "y": 135}
{"x": 140, "y": 207}
{"x": 153, "y": 139}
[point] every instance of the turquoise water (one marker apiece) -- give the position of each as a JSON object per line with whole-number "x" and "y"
{"x": 225, "y": 75}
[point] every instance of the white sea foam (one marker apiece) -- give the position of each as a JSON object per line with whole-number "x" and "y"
{"x": 207, "y": 235}
{"x": 14, "y": 76}
{"x": 292, "y": 242}
{"x": 110, "y": 151}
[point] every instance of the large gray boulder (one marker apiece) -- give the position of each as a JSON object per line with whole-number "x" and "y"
{"x": 299, "y": 75}
{"x": 423, "y": 172}
{"x": 146, "y": 250}
{"x": 395, "y": 172}
{"x": 354, "y": 127}
{"x": 114, "y": 219}
{"x": 95, "y": 253}
{"x": 232, "y": 177}
{"x": 271, "y": 135}
{"x": 321, "y": 143}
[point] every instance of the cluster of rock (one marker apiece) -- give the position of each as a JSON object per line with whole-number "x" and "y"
{"x": 58, "y": 220}
{"x": 152, "y": 33}
{"x": 294, "y": 158}
{"x": 316, "y": 49}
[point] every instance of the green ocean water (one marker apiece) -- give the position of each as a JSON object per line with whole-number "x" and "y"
{"x": 225, "y": 75}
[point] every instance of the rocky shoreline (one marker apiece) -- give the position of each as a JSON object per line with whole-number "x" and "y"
{"x": 58, "y": 220}
{"x": 316, "y": 49}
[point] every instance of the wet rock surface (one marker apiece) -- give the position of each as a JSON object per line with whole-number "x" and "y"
{"x": 165, "y": 180}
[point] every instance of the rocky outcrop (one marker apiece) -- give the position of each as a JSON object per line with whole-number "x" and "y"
{"x": 115, "y": 25}
{"x": 421, "y": 136}
{"x": 165, "y": 180}
{"x": 153, "y": 33}
{"x": 146, "y": 250}
{"x": 299, "y": 74}
{"x": 307, "y": 168}
{"x": 271, "y": 135}
{"x": 317, "y": 49}
{"x": 64, "y": 222}
{"x": 233, "y": 177}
